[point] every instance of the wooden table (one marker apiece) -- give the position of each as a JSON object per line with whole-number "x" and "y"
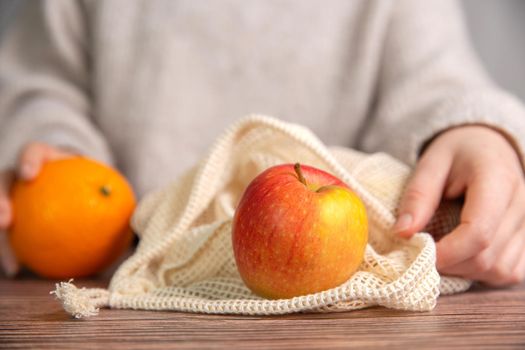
{"x": 480, "y": 318}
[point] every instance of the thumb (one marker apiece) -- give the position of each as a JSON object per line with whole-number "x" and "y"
{"x": 422, "y": 193}
{"x": 34, "y": 155}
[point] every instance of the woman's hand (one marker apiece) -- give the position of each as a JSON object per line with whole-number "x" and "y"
{"x": 479, "y": 163}
{"x": 31, "y": 159}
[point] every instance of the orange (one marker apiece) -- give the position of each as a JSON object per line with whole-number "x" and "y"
{"x": 72, "y": 220}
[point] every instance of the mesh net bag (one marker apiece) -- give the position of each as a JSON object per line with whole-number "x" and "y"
{"x": 185, "y": 261}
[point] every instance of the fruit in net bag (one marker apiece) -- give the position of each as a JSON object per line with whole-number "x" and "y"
{"x": 298, "y": 230}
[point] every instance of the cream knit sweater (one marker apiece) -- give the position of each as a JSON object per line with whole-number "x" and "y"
{"x": 147, "y": 85}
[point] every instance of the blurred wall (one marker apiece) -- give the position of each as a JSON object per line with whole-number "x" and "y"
{"x": 7, "y": 8}
{"x": 497, "y": 29}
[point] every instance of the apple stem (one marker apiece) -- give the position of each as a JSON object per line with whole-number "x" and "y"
{"x": 297, "y": 168}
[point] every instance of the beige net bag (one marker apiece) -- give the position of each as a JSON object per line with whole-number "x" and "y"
{"x": 185, "y": 261}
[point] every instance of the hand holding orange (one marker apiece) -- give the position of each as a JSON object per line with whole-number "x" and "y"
{"x": 72, "y": 220}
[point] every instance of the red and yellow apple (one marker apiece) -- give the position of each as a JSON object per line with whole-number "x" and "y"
{"x": 298, "y": 230}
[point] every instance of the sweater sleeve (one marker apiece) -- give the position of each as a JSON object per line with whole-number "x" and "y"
{"x": 44, "y": 82}
{"x": 430, "y": 80}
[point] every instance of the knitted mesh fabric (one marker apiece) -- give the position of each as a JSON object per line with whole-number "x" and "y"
{"x": 185, "y": 261}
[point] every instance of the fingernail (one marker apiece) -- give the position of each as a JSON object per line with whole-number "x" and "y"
{"x": 402, "y": 224}
{"x": 27, "y": 171}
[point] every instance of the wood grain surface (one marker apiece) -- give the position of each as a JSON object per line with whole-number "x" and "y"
{"x": 479, "y": 319}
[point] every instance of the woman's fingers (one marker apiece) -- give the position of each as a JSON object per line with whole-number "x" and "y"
{"x": 518, "y": 275}
{"x": 479, "y": 163}
{"x": 423, "y": 192}
{"x": 502, "y": 272}
{"x": 501, "y": 256}
{"x": 6, "y": 177}
{"x": 8, "y": 260}
{"x": 487, "y": 199}
{"x": 7, "y": 257}
{"x": 30, "y": 162}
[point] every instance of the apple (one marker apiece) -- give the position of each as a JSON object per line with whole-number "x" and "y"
{"x": 298, "y": 230}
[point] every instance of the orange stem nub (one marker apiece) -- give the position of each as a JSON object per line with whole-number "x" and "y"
{"x": 105, "y": 190}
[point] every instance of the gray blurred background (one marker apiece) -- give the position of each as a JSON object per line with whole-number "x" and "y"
{"x": 497, "y": 29}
